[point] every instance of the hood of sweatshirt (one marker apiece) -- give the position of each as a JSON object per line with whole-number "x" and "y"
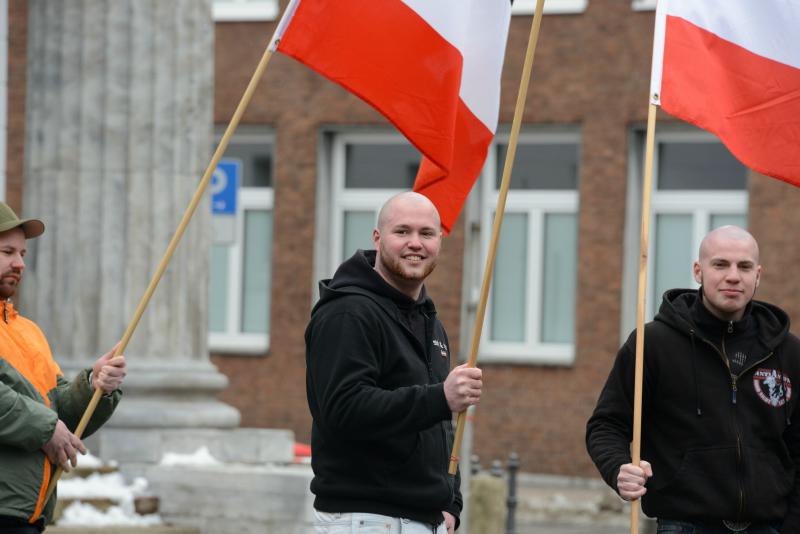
{"x": 683, "y": 310}
{"x": 357, "y": 275}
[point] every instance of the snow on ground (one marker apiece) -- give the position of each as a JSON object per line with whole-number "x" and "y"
{"x": 109, "y": 486}
{"x": 85, "y": 515}
{"x": 201, "y": 456}
{"x": 101, "y": 486}
{"x": 89, "y": 461}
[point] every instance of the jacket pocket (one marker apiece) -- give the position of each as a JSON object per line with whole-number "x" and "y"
{"x": 769, "y": 480}
{"x": 704, "y": 485}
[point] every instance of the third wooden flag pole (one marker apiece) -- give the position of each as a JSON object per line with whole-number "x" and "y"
{"x": 498, "y": 219}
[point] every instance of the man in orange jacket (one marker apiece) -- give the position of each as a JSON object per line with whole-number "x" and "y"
{"x": 39, "y": 409}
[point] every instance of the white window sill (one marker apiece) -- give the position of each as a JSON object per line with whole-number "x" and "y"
{"x": 245, "y": 11}
{"x": 551, "y": 7}
{"x": 549, "y": 354}
{"x": 643, "y": 5}
{"x": 238, "y": 345}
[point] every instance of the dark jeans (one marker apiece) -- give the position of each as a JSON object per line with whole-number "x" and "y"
{"x": 12, "y": 525}
{"x": 670, "y": 526}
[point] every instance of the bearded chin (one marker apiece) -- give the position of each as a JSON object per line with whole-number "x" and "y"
{"x": 396, "y": 268}
{"x": 7, "y": 290}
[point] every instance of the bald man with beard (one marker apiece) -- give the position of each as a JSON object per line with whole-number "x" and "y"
{"x": 720, "y": 428}
{"x": 380, "y": 388}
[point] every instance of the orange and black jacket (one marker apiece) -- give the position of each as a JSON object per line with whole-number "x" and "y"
{"x": 33, "y": 396}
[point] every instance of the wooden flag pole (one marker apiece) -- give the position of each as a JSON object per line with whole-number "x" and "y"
{"x": 498, "y": 219}
{"x": 647, "y": 187}
{"x": 187, "y": 215}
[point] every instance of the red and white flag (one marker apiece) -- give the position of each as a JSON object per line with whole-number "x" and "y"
{"x": 432, "y": 67}
{"x": 732, "y": 67}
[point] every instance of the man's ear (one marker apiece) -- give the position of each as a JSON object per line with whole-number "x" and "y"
{"x": 698, "y": 274}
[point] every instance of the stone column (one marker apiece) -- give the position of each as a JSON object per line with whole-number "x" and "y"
{"x": 119, "y": 131}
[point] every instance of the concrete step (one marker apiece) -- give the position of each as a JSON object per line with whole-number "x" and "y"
{"x": 98, "y": 493}
{"x": 160, "y": 529}
{"x": 567, "y": 505}
{"x": 554, "y": 528}
{"x": 143, "y": 505}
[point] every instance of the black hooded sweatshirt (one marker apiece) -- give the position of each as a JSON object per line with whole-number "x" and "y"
{"x": 382, "y": 431}
{"x": 722, "y": 444}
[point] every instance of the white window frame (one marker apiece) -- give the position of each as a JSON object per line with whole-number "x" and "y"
{"x": 233, "y": 341}
{"x": 345, "y": 199}
{"x": 698, "y": 203}
{"x": 537, "y": 204}
{"x": 245, "y": 10}
{"x": 551, "y": 7}
{"x": 643, "y": 5}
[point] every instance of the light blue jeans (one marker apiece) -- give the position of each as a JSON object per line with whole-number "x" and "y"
{"x": 358, "y": 523}
{"x": 669, "y": 526}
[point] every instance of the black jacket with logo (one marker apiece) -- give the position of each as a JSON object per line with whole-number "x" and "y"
{"x": 722, "y": 445}
{"x": 382, "y": 431}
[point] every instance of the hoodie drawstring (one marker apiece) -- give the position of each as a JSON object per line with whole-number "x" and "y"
{"x": 694, "y": 373}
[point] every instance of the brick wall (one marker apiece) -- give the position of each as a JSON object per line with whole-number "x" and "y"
{"x": 774, "y": 220}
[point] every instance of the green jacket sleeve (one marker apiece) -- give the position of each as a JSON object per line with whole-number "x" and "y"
{"x": 24, "y": 423}
{"x": 72, "y": 399}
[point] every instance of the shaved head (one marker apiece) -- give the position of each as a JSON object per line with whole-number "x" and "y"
{"x": 728, "y": 271}
{"x": 407, "y": 240}
{"x": 726, "y": 233}
{"x": 407, "y": 199}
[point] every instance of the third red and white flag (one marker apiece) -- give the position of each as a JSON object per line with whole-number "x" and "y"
{"x": 732, "y": 67}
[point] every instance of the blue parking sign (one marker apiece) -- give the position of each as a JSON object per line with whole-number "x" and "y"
{"x": 224, "y": 186}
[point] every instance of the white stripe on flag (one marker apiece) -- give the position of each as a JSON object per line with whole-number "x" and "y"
{"x": 658, "y": 53}
{"x": 478, "y": 34}
{"x": 747, "y": 23}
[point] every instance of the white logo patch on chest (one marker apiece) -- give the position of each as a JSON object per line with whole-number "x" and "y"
{"x": 772, "y": 387}
{"x": 441, "y": 346}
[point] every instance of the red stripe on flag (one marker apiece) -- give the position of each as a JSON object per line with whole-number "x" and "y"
{"x": 750, "y": 102}
{"x": 389, "y": 56}
{"x": 449, "y": 193}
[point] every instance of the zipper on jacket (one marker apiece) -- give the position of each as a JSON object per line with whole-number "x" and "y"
{"x": 734, "y": 389}
{"x": 741, "y": 503}
{"x": 5, "y": 311}
{"x": 739, "y": 455}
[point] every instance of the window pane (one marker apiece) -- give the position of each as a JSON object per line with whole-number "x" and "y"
{"x": 218, "y": 288}
{"x": 541, "y": 166}
{"x": 256, "y": 161}
{"x": 560, "y": 271}
{"x": 674, "y": 255}
{"x": 257, "y": 271}
{"x": 358, "y": 226}
{"x": 376, "y": 166}
{"x": 699, "y": 166}
{"x": 728, "y": 218}
{"x": 510, "y": 281}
